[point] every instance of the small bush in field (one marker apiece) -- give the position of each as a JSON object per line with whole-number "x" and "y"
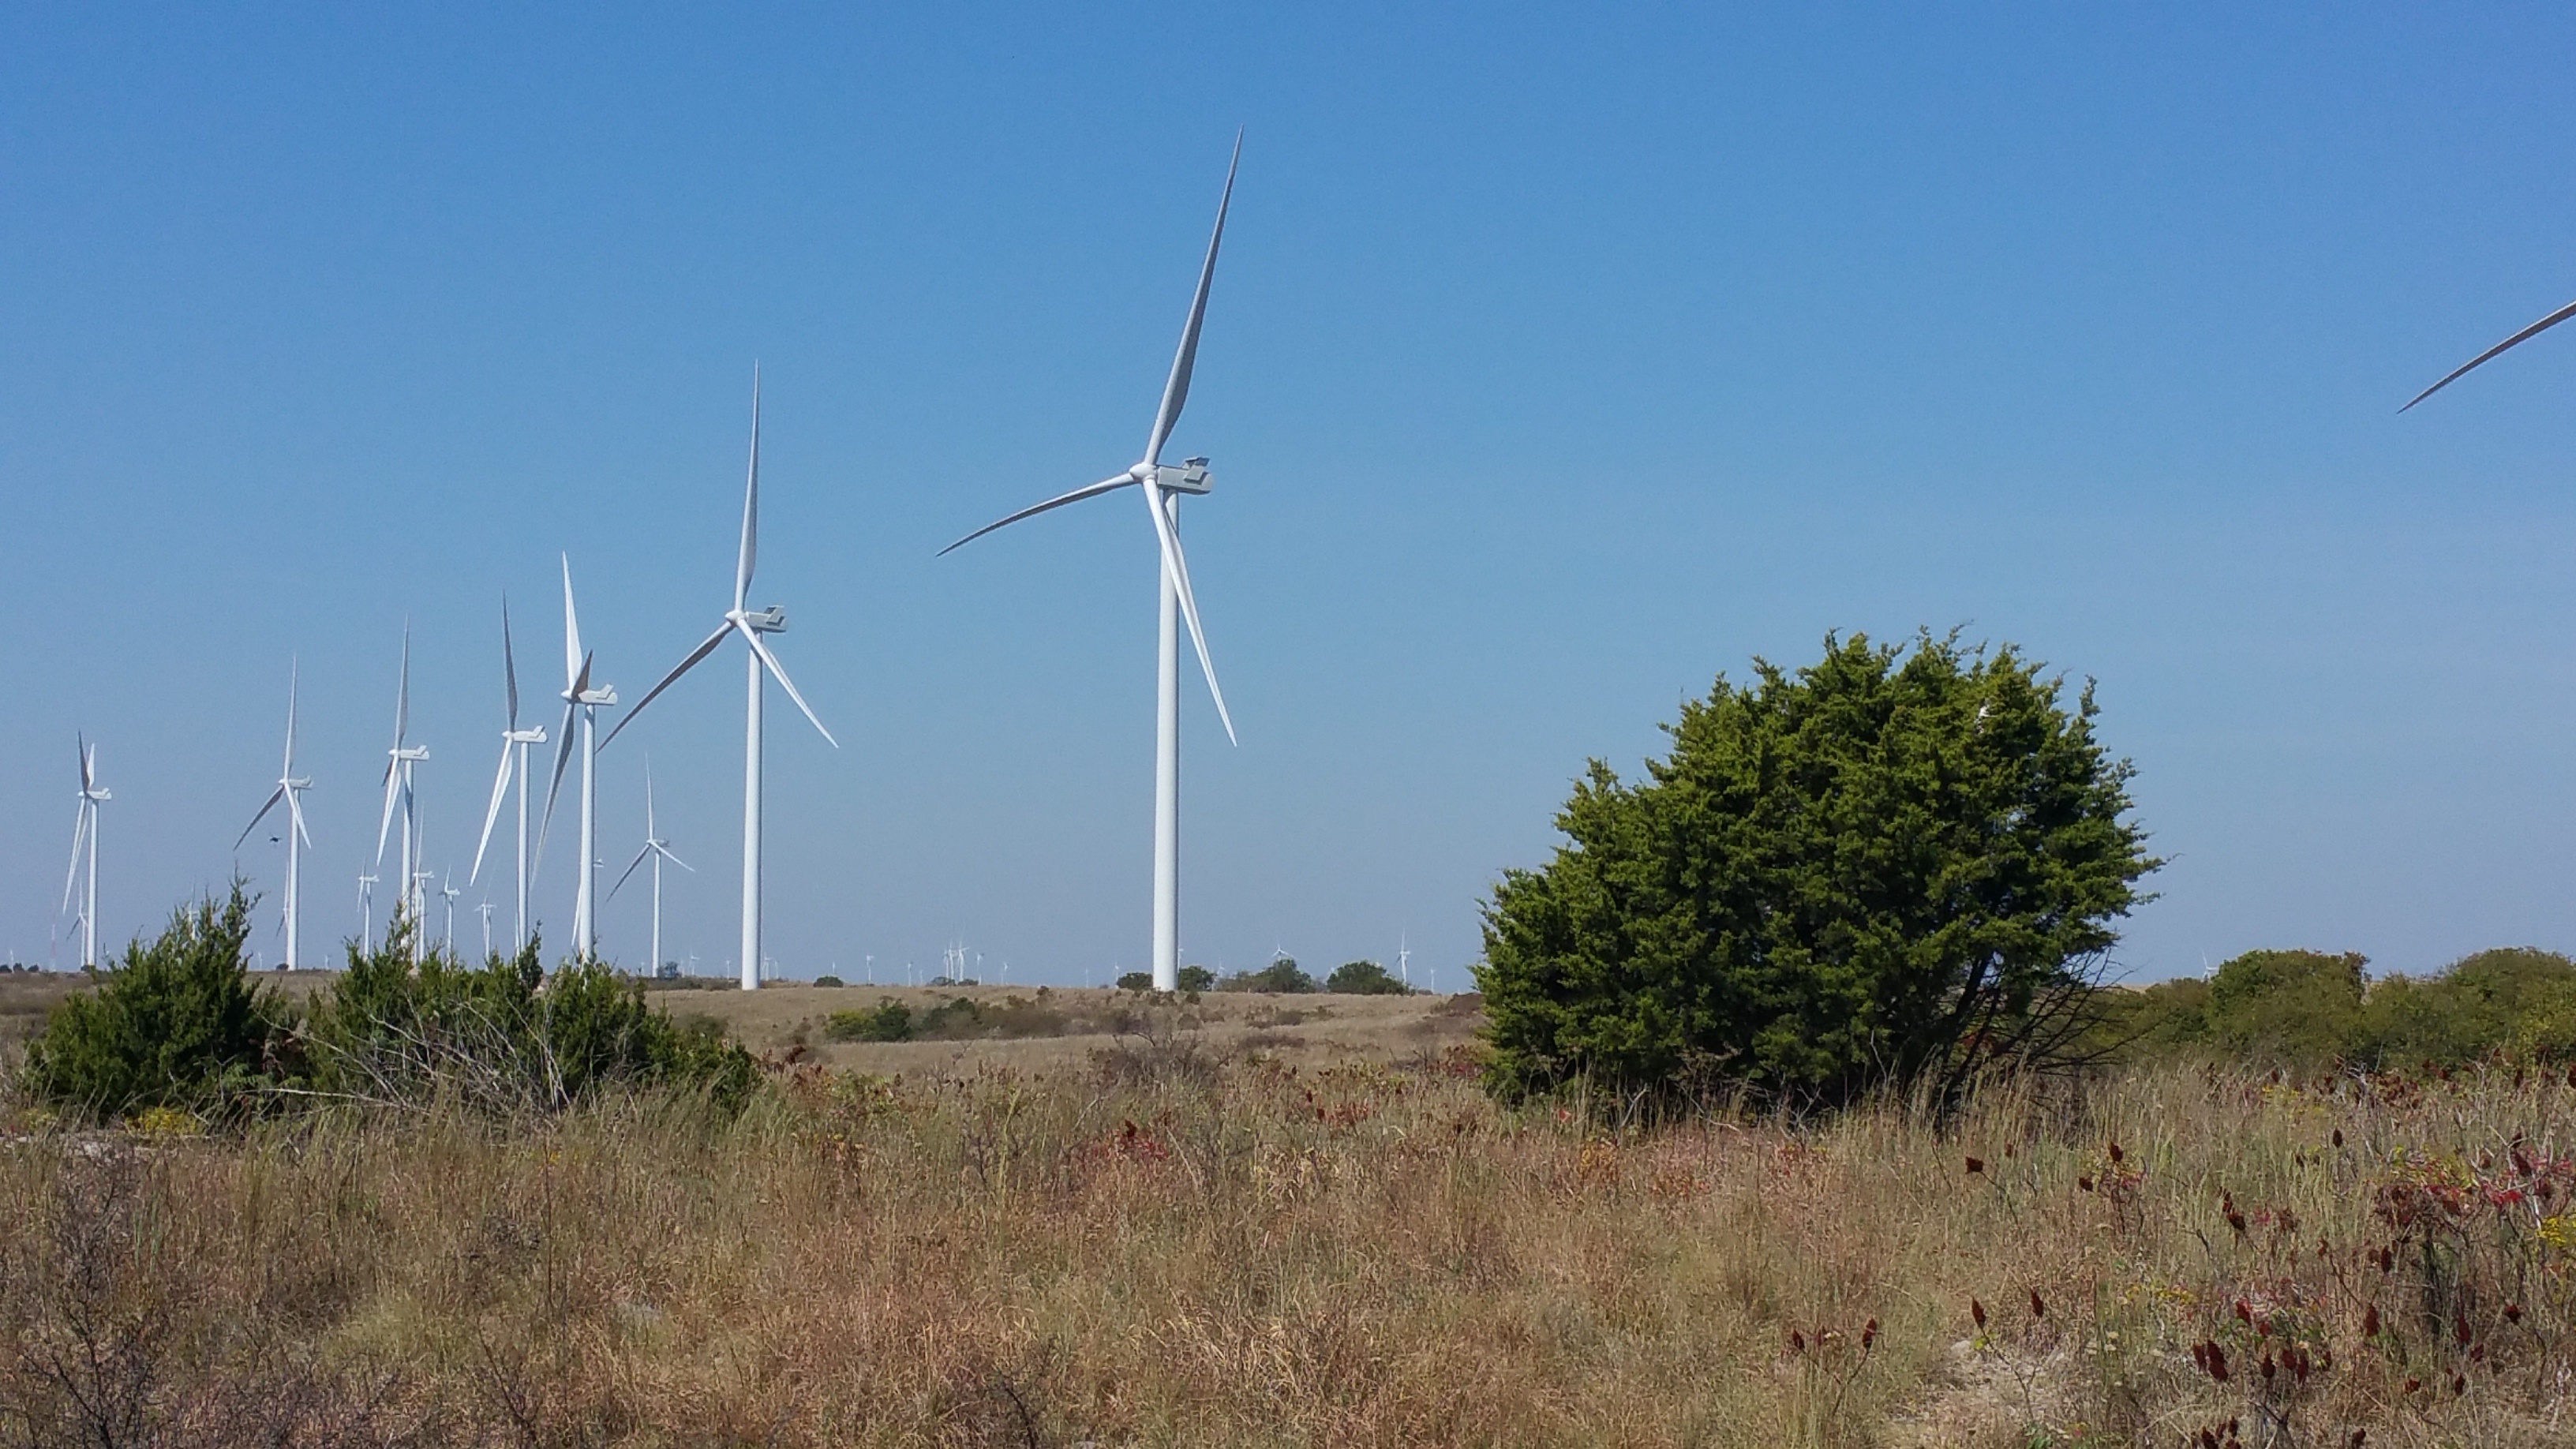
{"x": 827, "y": 980}
{"x": 888, "y": 1020}
{"x": 176, "y": 1024}
{"x": 1136, "y": 981}
{"x": 506, "y": 1034}
{"x": 1283, "y": 976}
{"x": 962, "y": 1018}
{"x": 1195, "y": 978}
{"x": 1363, "y": 978}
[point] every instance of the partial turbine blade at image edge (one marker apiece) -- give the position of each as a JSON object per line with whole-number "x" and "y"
{"x": 2534, "y": 330}
{"x": 1088, "y": 490}
{"x": 778, "y": 670}
{"x": 705, "y": 648}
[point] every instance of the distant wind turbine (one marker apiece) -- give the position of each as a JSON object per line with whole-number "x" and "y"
{"x": 580, "y": 696}
{"x": 289, "y": 786}
{"x": 514, "y": 760}
{"x": 750, "y": 626}
{"x": 2525, "y": 335}
{"x": 366, "y": 910}
{"x": 1162, "y": 485}
{"x": 660, "y": 850}
{"x": 85, "y": 851}
{"x": 399, "y": 792}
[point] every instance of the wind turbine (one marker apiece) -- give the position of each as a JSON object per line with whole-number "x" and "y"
{"x": 85, "y": 839}
{"x": 585, "y": 697}
{"x": 288, "y": 787}
{"x": 1163, "y": 485}
{"x": 741, "y": 620}
{"x": 2525, "y": 335}
{"x": 398, "y": 791}
{"x": 448, "y": 892}
{"x": 366, "y": 910}
{"x": 514, "y": 758}
{"x": 660, "y": 850}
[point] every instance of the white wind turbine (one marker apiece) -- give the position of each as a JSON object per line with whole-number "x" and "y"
{"x": 660, "y": 850}
{"x": 448, "y": 892}
{"x": 85, "y": 851}
{"x": 1162, "y": 486}
{"x": 514, "y": 759}
{"x": 399, "y": 793}
{"x": 741, "y": 620}
{"x": 584, "y": 697}
{"x": 289, "y": 786}
{"x": 366, "y": 910}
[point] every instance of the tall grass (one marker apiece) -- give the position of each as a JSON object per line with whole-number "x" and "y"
{"x": 1169, "y": 1250}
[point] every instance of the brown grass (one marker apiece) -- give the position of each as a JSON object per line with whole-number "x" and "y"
{"x": 1170, "y": 1244}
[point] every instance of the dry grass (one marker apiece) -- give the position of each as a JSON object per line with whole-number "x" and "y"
{"x": 1171, "y": 1245}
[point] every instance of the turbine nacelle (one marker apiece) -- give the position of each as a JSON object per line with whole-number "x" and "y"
{"x": 1190, "y": 477}
{"x": 772, "y": 620}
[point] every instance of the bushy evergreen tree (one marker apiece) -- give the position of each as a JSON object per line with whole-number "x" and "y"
{"x": 1892, "y": 865}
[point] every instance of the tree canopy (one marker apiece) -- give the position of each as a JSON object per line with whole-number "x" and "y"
{"x": 1894, "y": 863}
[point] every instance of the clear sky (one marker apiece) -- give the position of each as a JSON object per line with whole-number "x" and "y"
{"x": 1558, "y": 361}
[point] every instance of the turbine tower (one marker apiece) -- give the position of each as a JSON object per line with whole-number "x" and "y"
{"x": 514, "y": 759}
{"x": 584, "y": 697}
{"x": 660, "y": 850}
{"x": 741, "y": 620}
{"x": 84, "y": 871}
{"x": 366, "y": 909}
{"x": 1162, "y": 486}
{"x": 289, "y": 786}
{"x": 399, "y": 793}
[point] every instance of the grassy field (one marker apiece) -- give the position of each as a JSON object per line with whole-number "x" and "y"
{"x": 1202, "y": 1234}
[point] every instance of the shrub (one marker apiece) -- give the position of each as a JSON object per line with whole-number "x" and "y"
{"x": 177, "y": 1024}
{"x": 1282, "y": 976}
{"x": 1363, "y": 978}
{"x": 888, "y": 1020}
{"x": 506, "y": 1035}
{"x": 1195, "y": 978}
{"x": 827, "y": 980}
{"x": 1892, "y": 865}
{"x": 1136, "y": 981}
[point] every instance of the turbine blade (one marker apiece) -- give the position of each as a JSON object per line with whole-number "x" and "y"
{"x": 1179, "y": 569}
{"x": 393, "y": 791}
{"x": 787, "y": 684}
{"x": 750, "y": 504}
{"x": 1176, "y": 390}
{"x": 685, "y": 665}
{"x": 572, "y": 626}
{"x": 80, "y": 833}
{"x": 563, "y": 750}
{"x": 292, "y": 668}
{"x": 675, "y": 860}
{"x": 509, "y": 662}
{"x": 273, "y": 797}
{"x": 88, "y": 757}
{"x": 295, "y": 808}
{"x": 492, "y": 812}
{"x": 2534, "y": 330}
{"x": 639, "y": 859}
{"x": 1089, "y": 490}
{"x": 402, "y": 694}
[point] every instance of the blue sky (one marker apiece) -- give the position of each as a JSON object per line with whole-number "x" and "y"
{"x": 1557, "y": 362}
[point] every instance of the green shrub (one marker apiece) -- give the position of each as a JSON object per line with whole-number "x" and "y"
{"x": 2298, "y": 1009}
{"x": 1363, "y": 978}
{"x": 827, "y": 980}
{"x": 1194, "y": 978}
{"x": 888, "y": 1020}
{"x": 1893, "y": 865}
{"x": 962, "y": 1018}
{"x": 505, "y": 1035}
{"x": 1282, "y": 976}
{"x": 176, "y": 1024}
{"x": 1136, "y": 981}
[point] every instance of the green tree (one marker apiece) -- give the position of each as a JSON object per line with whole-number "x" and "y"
{"x": 1136, "y": 981}
{"x": 1363, "y": 978}
{"x": 2300, "y": 1009}
{"x": 1892, "y": 865}
{"x": 1283, "y": 976}
{"x": 1195, "y": 978}
{"x": 178, "y": 1023}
